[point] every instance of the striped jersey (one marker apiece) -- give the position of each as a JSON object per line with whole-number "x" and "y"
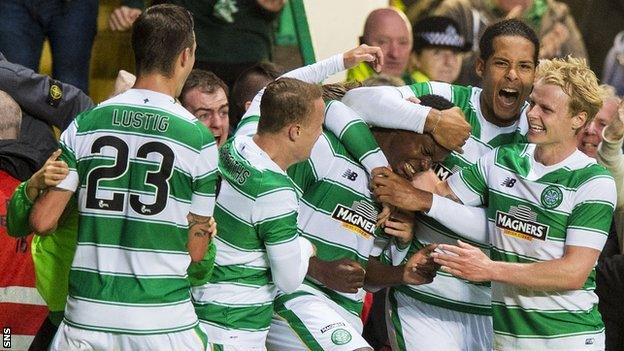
{"x": 447, "y": 291}
{"x": 534, "y": 211}
{"x": 257, "y": 206}
{"x": 337, "y": 212}
{"x": 140, "y": 163}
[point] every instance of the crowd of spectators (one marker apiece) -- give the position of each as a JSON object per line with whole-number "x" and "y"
{"x": 434, "y": 47}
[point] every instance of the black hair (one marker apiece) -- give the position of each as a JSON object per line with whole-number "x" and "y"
{"x": 508, "y": 27}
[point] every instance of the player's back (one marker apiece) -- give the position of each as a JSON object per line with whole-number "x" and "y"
{"x": 143, "y": 163}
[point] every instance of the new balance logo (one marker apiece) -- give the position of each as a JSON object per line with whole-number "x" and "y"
{"x": 349, "y": 174}
{"x": 509, "y": 182}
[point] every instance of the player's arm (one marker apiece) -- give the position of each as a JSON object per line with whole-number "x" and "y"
{"x": 202, "y": 227}
{"x": 418, "y": 269}
{"x": 566, "y": 273}
{"x": 389, "y": 107}
{"x": 20, "y": 205}
{"x": 47, "y": 210}
{"x": 275, "y": 218}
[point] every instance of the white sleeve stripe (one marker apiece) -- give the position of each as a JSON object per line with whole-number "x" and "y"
{"x": 584, "y": 238}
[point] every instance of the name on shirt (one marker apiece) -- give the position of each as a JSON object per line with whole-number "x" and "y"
{"x": 140, "y": 120}
{"x": 238, "y": 171}
{"x": 359, "y": 219}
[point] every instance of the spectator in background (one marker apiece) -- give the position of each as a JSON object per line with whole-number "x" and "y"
{"x": 438, "y": 48}
{"x": 613, "y": 70}
{"x": 70, "y": 26}
{"x": 389, "y": 29}
{"x": 551, "y": 20}
{"x": 206, "y": 97}
{"x": 247, "y": 86}
{"x": 231, "y": 35}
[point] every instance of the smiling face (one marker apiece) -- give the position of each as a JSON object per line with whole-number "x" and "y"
{"x": 550, "y": 121}
{"x": 591, "y": 136}
{"x": 508, "y": 76}
{"x": 407, "y": 152}
{"x": 211, "y": 109}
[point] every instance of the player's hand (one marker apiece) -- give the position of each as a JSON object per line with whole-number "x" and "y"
{"x": 124, "y": 81}
{"x": 393, "y": 189}
{"x": 464, "y": 261}
{"x": 122, "y": 18}
{"x": 364, "y": 53}
{"x": 384, "y": 215}
{"x": 420, "y": 268}
{"x": 343, "y": 275}
{"x": 615, "y": 130}
{"x": 450, "y": 129}
{"x": 271, "y": 5}
{"x": 202, "y": 226}
{"x": 51, "y": 174}
{"x": 401, "y": 225}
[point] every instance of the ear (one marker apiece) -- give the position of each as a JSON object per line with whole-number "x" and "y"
{"x": 579, "y": 120}
{"x": 294, "y": 131}
{"x": 185, "y": 56}
{"x": 480, "y": 67}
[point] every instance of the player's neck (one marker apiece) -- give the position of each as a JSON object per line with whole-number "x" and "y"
{"x": 276, "y": 149}
{"x": 158, "y": 83}
{"x": 551, "y": 154}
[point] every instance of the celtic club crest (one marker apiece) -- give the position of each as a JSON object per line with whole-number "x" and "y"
{"x": 551, "y": 197}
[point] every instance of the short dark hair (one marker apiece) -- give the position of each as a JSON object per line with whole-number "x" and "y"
{"x": 159, "y": 35}
{"x": 286, "y": 101}
{"x": 247, "y": 85}
{"x": 508, "y": 27}
{"x": 206, "y": 81}
{"x": 436, "y": 101}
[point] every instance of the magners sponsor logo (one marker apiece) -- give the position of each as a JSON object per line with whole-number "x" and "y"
{"x": 360, "y": 218}
{"x": 521, "y": 222}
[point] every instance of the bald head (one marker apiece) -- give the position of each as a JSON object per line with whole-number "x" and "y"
{"x": 389, "y": 29}
{"x": 10, "y": 117}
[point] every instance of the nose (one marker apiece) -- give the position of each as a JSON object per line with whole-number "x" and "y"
{"x": 393, "y": 49}
{"x": 591, "y": 129}
{"x": 511, "y": 74}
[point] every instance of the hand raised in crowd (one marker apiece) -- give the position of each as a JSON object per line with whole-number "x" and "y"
{"x": 51, "y": 174}
{"x": 401, "y": 225}
{"x": 122, "y": 18}
{"x": 550, "y": 43}
{"x": 393, "y": 189}
{"x": 271, "y": 5}
{"x": 124, "y": 81}
{"x": 343, "y": 275}
{"x": 364, "y": 53}
{"x": 615, "y": 130}
{"x": 449, "y": 128}
{"x": 464, "y": 261}
{"x": 420, "y": 268}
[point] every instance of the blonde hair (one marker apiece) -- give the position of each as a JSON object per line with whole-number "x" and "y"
{"x": 577, "y": 81}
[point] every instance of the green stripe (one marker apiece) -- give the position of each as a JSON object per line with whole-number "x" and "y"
{"x": 252, "y": 318}
{"x": 520, "y": 323}
{"x": 235, "y": 232}
{"x": 130, "y": 331}
{"x": 117, "y": 289}
{"x": 359, "y": 140}
{"x": 440, "y": 301}
{"x": 303, "y": 31}
{"x": 244, "y": 275}
{"x": 396, "y": 321}
{"x": 130, "y": 233}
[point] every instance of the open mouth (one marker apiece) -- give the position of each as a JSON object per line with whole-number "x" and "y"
{"x": 536, "y": 129}
{"x": 508, "y": 96}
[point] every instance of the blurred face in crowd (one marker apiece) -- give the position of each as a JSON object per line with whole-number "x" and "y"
{"x": 390, "y": 31}
{"x": 591, "y": 136}
{"x": 508, "y": 5}
{"x": 211, "y": 109}
{"x": 439, "y": 64}
{"x": 507, "y": 78}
